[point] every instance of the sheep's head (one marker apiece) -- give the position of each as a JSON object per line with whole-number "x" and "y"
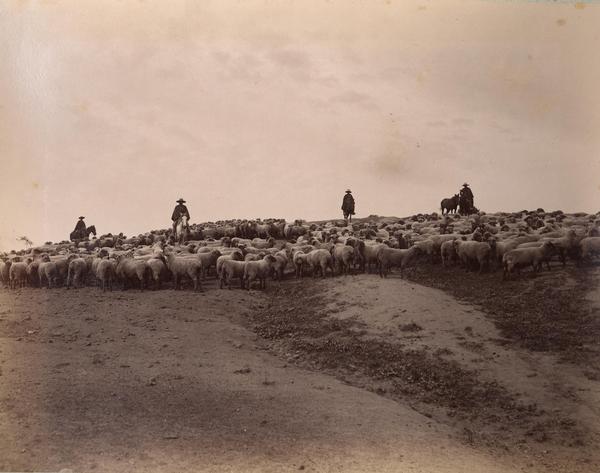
{"x": 237, "y": 255}
{"x": 270, "y": 259}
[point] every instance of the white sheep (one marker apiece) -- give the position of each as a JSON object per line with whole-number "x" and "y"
{"x": 230, "y": 269}
{"x": 427, "y": 247}
{"x": 263, "y": 244}
{"x": 105, "y": 272}
{"x": 77, "y": 272}
{"x": 370, "y": 254}
{"x": 523, "y": 257}
{"x": 282, "y": 261}
{"x": 475, "y": 251}
{"x": 259, "y": 270}
{"x": 158, "y": 269}
{"x": 503, "y": 247}
{"x": 447, "y": 252}
{"x": 320, "y": 261}
{"x": 343, "y": 256}
{"x": 208, "y": 261}
{"x": 235, "y": 255}
{"x": 17, "y": 274}
{"x": 5, "y": 272}
{"x": 184, "y": 267}
{"x": 392, "y": 257}
{"x": 567, "y": 245}
{"x": 299, "y": 259}
{"x": 48, "y": 271}
{"x": 32, "y": 273}
{"x": 254, "y": 256}
{"x": 129, "y": 268}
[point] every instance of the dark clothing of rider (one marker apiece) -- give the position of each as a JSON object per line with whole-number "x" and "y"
{"x": 80, "y": 227}
{"x": 468, "y": 193}
{"x": 466, "y": 200}
{"x": 180, "y": 210}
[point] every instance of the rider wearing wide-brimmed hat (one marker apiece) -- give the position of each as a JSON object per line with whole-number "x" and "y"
{"x": 179, "y": 210}
{"x": 80, "y": 226}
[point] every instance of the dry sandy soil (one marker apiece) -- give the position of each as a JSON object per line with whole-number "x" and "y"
{"x": 347, "y": 374}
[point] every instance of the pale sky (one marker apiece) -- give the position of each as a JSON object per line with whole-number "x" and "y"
{"x": 114, "y": 109}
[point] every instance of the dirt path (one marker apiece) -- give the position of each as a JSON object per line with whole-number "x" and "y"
{"x": 172, "y": 381}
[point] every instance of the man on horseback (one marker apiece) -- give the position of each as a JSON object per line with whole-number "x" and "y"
{"x": 348, "y": 205}
{"x": 466, "y": 200}
{"x": 179, "y": 210}
{"x": 80, "y": 229}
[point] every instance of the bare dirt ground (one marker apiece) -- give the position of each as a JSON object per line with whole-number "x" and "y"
{"x": 347, "y": 374}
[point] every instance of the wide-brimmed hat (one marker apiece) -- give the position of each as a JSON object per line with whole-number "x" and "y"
{"x": 465, "y": 185}
{"x": 81, "y": 218}
{"x": 181, "y": 201}
{"x": 348, "y": 190}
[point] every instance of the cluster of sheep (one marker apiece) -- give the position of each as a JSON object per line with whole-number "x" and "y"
{"x": 272, "y": 249}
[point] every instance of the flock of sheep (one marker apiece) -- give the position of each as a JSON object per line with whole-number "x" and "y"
{"x": 253, "y": 251}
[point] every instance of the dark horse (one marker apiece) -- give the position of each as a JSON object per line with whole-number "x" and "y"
{"x": 450, "y": 205}
{"x": 83, "y": 235}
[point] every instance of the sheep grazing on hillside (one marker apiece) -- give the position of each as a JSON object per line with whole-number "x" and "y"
{"x": 320, "y": 261}
{"x": 182, "y": 267}
{"x": 230, "y": 269}
{"x": 590, "y": 247}
{"x": 259, "y": 270}
{"x": 343, "y": 256}
{"x": 105, "y": 272}
{"x": 392, "y": 257}
{"x": 130, "y": 269}
{"x": 77, "y": 272}
{"x": 469, "y": 252}
{"x": 523, "y": 257}
{"x": 17, "y": 274}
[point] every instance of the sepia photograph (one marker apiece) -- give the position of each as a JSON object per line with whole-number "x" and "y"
{"x": 270, "y": 236}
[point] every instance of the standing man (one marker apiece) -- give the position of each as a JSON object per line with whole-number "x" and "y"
{"x": 179, "y": 210}
{"x": 348, "y": 206}
{"x": 466, "y": 197}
